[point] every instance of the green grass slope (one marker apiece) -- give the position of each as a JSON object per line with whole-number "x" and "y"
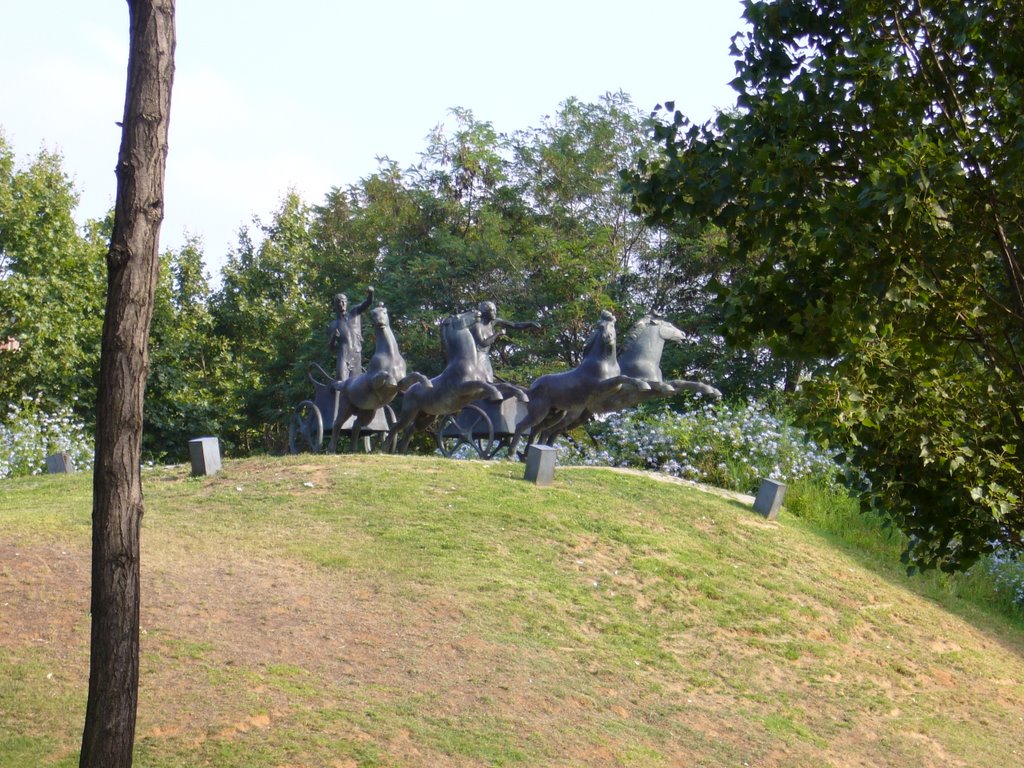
{"x": 392, "y": 611}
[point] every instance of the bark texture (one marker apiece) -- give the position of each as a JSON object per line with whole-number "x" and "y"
{"x": 132, "y": 264}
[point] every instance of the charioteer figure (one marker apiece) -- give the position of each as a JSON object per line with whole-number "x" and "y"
{"x": 345, "y": 335}
{"x": 488, "y": 329}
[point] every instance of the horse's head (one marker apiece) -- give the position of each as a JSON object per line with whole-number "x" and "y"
{"x": 667, "y": 331}
{"x": 648, "y": 329}
{"x": 607, "y": 326}
{"x": 601, "y": 342}
{"x": 379, "y": 317}
{"x": 461, "y": 321}
{"x": 457, "y": 341}
{"x": 641, "y": 354}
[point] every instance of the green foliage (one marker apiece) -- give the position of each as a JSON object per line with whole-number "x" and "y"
{"x": 995, "y": 583}
{"x": 270, "y": 311}
{"x": 52, "y": 284}
{"x": 871, "y": 182}
{"x": 536, "y": 221}
{"x": 190, "y": 391}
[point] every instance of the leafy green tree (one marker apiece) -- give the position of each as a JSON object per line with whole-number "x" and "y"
{"x": 51, "y": 284}
{"x": 434, "y": 239}
{"x": 872, "y": 180}
{"x": 693, "y": 261}
{"x": 588, "y": 245}
{"x": 269, "y": 311}
{"x": 536, "y": 222}
{"x": 190, "y": 391}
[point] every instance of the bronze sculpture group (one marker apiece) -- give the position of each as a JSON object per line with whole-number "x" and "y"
{"x": 471, "y": 406}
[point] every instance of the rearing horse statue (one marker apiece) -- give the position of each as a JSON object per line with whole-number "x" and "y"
{"x": 640, "y": 358}
{"x": 566, "y": 396}
{"x": 385, "y": 376}
{"x": 460, "y": 383}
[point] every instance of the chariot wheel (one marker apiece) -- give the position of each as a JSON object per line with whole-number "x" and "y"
{"x": 471, "y": 426}
{"x": 306, "y": 428}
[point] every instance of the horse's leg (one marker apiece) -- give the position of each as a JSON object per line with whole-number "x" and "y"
{"x": 511, "y": 390}
{"x": 362, "y": 419}
{"x": 615, "y": 383}
{"x": 344, "y": 411}
{"x": 695, "y": 386}
{"x": 545, "y": 427}
{"x": 536, "y": 410}
{"x": 414, "y": 378}
{"x": 410, "y": 409}
{"x": 417, "y": 424}
{"x": 482, "y": 390}
{"x": 661, "y": 388}
{"x": 565, "y": 423}
{"x": 640, "y": 385}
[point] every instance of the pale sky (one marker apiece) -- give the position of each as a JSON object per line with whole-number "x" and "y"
{"x": 305, "y": 95}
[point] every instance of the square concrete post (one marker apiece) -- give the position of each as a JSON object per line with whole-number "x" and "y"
{"x": 205, "y": 455}
{"x": 540, "y": 464}
{"x": 59, "y": 464}
{"x": 769, "y": 498}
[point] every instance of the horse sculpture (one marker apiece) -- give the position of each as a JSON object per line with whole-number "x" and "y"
{"x": 385, "y": 376}
{"x": 566, "y": 396}
{"x": 641, "y": 359}
{"x": 461, "y": 382}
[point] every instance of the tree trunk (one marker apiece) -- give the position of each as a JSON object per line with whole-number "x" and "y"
{"x": 132, "y": 264}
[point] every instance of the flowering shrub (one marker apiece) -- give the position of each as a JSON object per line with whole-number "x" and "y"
{"x": 29, "y": 434}
{"x": 722, "y": 444}
{"x": 1006, "y": 569}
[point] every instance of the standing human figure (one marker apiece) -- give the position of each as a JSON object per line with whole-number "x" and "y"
{"x": 488, "y": 329}
{"x": 345, "y": 335}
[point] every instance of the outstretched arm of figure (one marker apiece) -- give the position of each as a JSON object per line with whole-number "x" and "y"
{"x": 500, "y": 323}
{"x": 364, "y": 304}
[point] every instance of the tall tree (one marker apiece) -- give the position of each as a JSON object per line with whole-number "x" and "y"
{"x": 267, "y": 311}
{"x": 190, "y": 389}
{"x": 872, "y": 176}
{"x": 132, "y": 268}
{"x": 51, "y": 285}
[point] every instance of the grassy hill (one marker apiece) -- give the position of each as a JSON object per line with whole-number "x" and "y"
{"x": 393, "y": 611}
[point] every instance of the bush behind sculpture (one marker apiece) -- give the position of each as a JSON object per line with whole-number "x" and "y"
{"x": 32, "y": 431}
{"x": 730, "y": 445}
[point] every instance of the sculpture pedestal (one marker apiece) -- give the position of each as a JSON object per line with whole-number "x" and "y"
{"x": 769, "y": 498}
{"x": 59, "y": 464}
{"x": 540, "y": 464}
{"x": 205, "y": 455}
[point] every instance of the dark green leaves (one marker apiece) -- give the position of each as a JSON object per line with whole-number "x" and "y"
{"x": 872, "y": 185}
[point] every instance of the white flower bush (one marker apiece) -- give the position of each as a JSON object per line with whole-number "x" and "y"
{"x": 727, "y": 445}
{"x": 1006, "y": 568}
{"x": 30, "y": 433}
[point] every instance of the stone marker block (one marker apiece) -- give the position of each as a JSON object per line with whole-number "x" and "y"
{"x": 769, "y": 498}
{"x": 59, "y": 464}
{"x": 540, "y": 464}
{"x": 205, "y": 455}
